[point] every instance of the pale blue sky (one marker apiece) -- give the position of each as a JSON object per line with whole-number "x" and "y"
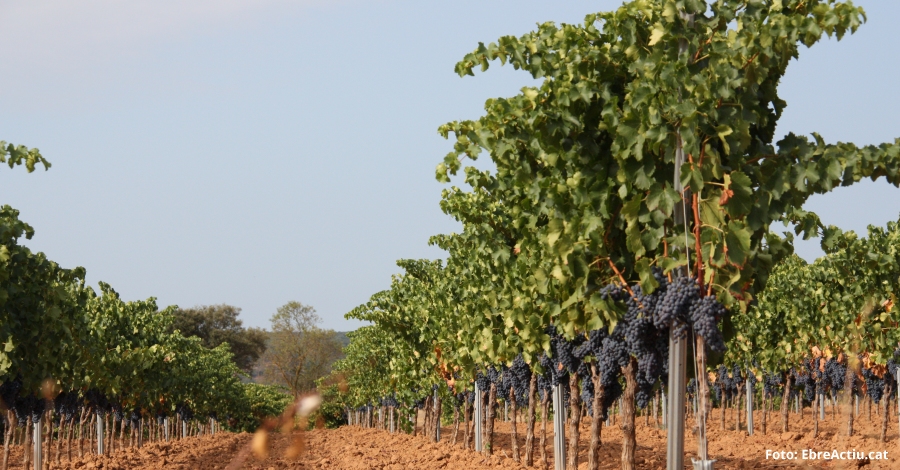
{"x": 253, "y": 152}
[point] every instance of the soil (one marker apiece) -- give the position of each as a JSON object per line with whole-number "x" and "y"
{"x": 355, "y": 448}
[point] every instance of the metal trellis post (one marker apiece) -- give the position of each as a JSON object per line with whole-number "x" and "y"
{"x": 38, "y": 451}
{"x": 559, "y": 428}
{"x": 479, "y": 417}
{"x": 749, "y": 406}
{"x": 100, "y": 446}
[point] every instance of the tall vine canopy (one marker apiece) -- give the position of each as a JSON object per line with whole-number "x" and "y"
{"x": 840, "y": 303}
{"x": 67, "y": 352}
{"x": 586, "y": 162}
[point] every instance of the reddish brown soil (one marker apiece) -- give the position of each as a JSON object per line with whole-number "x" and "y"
{"x": 733, "y": 449}
{"x": 354, "y": 448}
{"x": 195, "y": 453}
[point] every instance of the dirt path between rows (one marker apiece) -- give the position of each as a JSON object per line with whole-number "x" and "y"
{"x": 354, "y": 448}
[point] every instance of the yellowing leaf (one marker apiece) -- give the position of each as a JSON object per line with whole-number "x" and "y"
{"x": 656, "y": 34}
{"x": 724, "y": 131}
{"x": 552, "y": 237}
{"x": 558, "y": 274}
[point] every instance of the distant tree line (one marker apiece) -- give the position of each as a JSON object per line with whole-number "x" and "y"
{"x": 294, "y": 353}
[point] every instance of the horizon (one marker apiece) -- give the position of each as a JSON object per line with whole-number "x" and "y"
{"x": 253, "y": 153}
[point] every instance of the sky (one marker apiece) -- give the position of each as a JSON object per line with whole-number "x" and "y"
{"x": 255, "y": 152}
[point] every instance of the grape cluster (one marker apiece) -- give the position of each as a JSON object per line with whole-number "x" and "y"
{"x": 118, "y": 412}
{"x": 463, "y": 397}
{"x": 644, "y": 330}
{"x": 552, "y": 376}
{"x": 96, "y": 401}
{"x": 419, "y": 404}
{"x": 25, "y": 408}
{"x": 819, "y": 375}
{"x": 483, "y": 381}
{"x": 389, "y": 401}
{"x": 641, "y": 338}
{"x": 893, "y": 368}
{"x": 644, "y": 394}
{"x": 796, "y": 384}
{"x": 563, "y": 350}
{"x": 705, "y": 315}
{"x": 716, "y": 390}
{"x": 545, "y": 380}
{"x": 729, "y": 382}
{"x": 66, "y": 405}
{"x": 813, "y": 380}
{"x": 562, "y": 359}
{"x": 737, "y": 376}
{"x": 772, "y": 384}
{"x": 681, "y": 306}
{"x": 636, "y": 335}
{"x": 518, "y": 378}
{"x": 493, "y": 376}
{"x": 874, "y": 385}
{"x": 807, "y": 383}
{"x": 587, "y": 394}
{"x": 613, "y": 292}
{"x": 9, "y": 392}
{"x": 723, "y": 383}
{"x": 612, "y": 356}
{"x": 135, "y": 417}
{"x": 673, "y": 310}
{"x": 506, "y": 382}
{"x": 28, "y": 407}
{"x": 185, "y": 412}
{"x": 893, "y": 364}
{"x": 37, "y": 410}
{"x": 835, "y": 375}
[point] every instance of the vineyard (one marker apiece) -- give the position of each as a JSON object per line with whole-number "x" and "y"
{"x": 87, "y": 373}
{"x": 623, "y": 262}
{"x": 623, "y": 292}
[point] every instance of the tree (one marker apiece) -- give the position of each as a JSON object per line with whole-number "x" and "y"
{"x": 299, "y": 352}
{"x": 217, "y": 324}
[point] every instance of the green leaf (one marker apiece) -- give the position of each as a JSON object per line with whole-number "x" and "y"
{"x": 737, "y": 240}
{"x": 740, "y": 201}
{"x": 648, "y": 282}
